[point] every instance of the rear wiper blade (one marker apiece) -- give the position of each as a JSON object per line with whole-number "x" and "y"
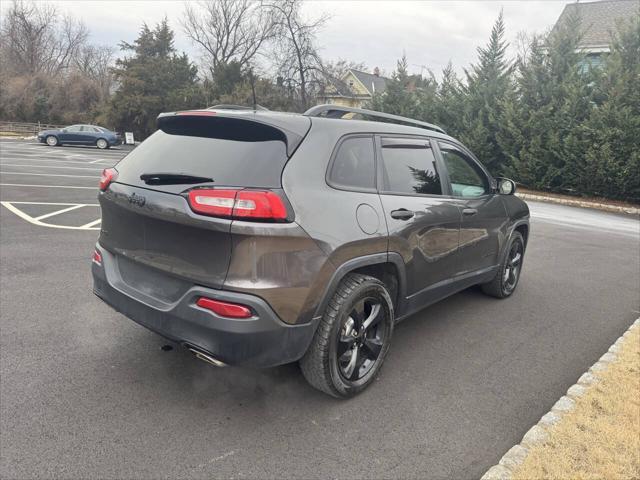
{"x": 172, "y": 179}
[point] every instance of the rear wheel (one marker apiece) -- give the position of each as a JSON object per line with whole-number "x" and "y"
{"x": 52, "y": 140}
{"x": 102, "y": 144}
{"x": 352, "y": 339}
{"x": 507, "y": 276}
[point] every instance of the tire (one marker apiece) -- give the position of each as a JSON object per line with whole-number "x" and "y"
{"x": 52, "y": 141}
{"x": 102, "y": 144}
{"x": 508, "y": 275}
{"x": 343, "y": 333}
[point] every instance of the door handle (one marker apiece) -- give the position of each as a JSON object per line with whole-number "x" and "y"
{"x": 469, "y": 211}
{"x": 402, "y": 214}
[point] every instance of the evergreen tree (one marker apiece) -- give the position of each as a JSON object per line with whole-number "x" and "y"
{"x": 612, "y": 159}
{"x": 448, "y": 103}
{"x": 397, "y": 97}
{"x": 543, "y": 132}
{"x": 488, "y": 85}
{"x": 153, "y": 80}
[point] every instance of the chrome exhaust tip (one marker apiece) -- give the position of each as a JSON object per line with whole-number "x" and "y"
{"x": 205, "y": 357}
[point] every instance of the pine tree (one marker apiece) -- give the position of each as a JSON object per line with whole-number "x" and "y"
{"x": 448, "y": 103}
{"x": 488, "y": 85}
{"x": 612, "y": 159}
{"x": 152, "y": 80}
{"x": 543, "y": 132}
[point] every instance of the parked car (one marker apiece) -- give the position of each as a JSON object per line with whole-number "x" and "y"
{"x": 260, "y": 238}
{"x": 80, "y": 135}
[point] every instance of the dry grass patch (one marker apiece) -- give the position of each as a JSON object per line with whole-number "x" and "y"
{"x": 600, "y": 438}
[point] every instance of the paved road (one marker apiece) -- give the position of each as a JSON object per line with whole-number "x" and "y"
{"x": 85, "y": 392}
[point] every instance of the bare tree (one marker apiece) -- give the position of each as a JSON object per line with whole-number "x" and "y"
{"x": 296, "y": 52}
{"x": 228, "y": 30}
{"x": 36, "y": 39}
{"x": 95, "y": 62}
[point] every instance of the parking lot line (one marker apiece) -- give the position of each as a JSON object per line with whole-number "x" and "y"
{"x": 36, "y": 221}
{"x": 56, "y": 203}
{"x": 48, "y": 174}
{"x": 49, "y": 160}
{"x": 58, "y": 212}
{"x": 48, "y": 166}
{"x": 45, "y": 186}
{"x": 91, "y": 224}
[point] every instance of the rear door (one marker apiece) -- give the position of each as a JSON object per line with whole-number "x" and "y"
{"x": 87, "y": 135}
{"x": 423, "y": 224}
{"x": 483, "y": 214}
{"x": 150, "y": 224}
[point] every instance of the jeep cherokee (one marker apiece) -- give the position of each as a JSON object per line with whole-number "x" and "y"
{"x": 259, "y": 238}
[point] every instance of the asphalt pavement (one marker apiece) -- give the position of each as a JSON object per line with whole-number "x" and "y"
{"x": 87, "y": 393}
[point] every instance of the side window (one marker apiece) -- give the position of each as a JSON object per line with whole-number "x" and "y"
{"x": 74, "y": 128}
{"x": 467, "y": 180}
{"x": 409, "y": 167}
{"x": 353, "y": 165}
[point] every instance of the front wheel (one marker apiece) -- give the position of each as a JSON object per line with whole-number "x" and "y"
{"x": 507, "y": 276}
{"x": 52, "y": 140}
{"x": 102, "y": 144}
{"x": 352, "y": 339}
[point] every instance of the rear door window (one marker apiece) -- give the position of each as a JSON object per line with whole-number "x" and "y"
{"x": 353, "y": 167}
{"x": 409, "y": 167}
{"x": 237, "y": 159}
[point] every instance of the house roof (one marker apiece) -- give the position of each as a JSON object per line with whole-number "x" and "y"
{"x": 373, "y": 83}
{"x": 599, "y": 19}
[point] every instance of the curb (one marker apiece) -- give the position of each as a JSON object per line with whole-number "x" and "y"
{"x": 539, "y": 432}
{"x": 580, "y": 203}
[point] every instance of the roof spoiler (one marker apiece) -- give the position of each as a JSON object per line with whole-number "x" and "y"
{"x": 241, "y": 125}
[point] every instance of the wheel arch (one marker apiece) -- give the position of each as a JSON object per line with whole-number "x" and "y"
{"x": 387, "y": 267}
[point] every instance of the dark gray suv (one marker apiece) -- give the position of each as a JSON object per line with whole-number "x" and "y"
{"x": 259, "y": 238}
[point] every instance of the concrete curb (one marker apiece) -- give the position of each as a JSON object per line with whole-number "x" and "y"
{"x": 539, "y": 432}
{"x": 580, "y": 203}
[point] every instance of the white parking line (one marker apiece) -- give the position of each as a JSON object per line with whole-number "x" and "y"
{"x": 45, "y": 186}
{"x": 58, "y": 212}
{"x": 91, "y": 224}
{"x": 49, "y": 166}
{"x": 37, "y": 221}
{"x": 48, "y": 160}
{"x": 48, "y": 174}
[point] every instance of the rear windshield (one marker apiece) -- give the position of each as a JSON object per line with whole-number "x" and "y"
{"x": 255, "y": 163}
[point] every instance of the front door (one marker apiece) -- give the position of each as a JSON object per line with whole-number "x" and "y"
{"x": 423, "y": 224}
{"x": 484, "y": 217}
{"x": 71, "y": 134}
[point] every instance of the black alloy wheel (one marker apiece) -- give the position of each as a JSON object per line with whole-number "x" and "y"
{"x": 361, "y": 339}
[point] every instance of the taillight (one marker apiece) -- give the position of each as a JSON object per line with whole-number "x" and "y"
{"x": 108, "y": 175}
{"x": 224, "y": 309}
{"x": 97, "y": 258}
{"x": 240, "y": 204}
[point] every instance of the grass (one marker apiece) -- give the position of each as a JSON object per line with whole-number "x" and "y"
{"x": 600, "y": 437}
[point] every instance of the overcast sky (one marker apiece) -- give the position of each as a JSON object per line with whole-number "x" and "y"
{"x": 374, "y": 32}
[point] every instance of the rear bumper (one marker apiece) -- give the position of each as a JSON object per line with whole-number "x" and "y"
{"x": 261, "y": 341}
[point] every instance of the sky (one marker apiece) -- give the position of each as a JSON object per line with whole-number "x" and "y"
{"x": 374, "y": 32}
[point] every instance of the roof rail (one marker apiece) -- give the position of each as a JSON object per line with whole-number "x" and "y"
{"x": 338, "y": 111}
{"x": 226, "y": 106}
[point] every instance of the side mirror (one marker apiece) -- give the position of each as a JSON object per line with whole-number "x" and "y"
{"x": 506, "y": 186}
{"x": 64, "y": 130}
